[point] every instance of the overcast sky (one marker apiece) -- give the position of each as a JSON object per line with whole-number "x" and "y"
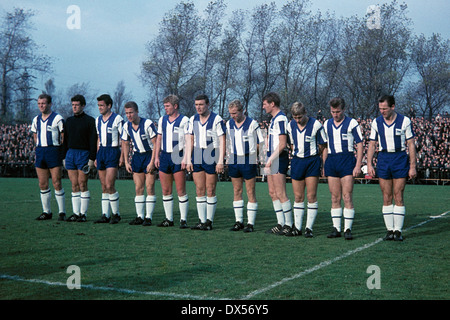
{"x": 110, "y": 44}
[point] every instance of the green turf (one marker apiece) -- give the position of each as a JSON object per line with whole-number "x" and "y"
{"x": 170, "y": 263}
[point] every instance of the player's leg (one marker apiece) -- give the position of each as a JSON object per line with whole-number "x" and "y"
{"x": 85, "y": 195}
{"x": 335, "y": 187}
{"x": 106, "y": 208}
{"x": 211, "y": 199}
{"x": 139, "y": 199}
{"x": 166, "y": 180}
{"x": 150, "y": 200}
{"x": 60, "y": 195}
{"x": 347, "y": 183}
{"x": 386, "y": 186}
{"x": 200, "y": 190}
{"x": 111, "y": 175}
{"x": 252, "y": 204}
{"x": 311, "y": 195}
{"x": 279, "y": 185}
{"x": 45, "y": 193}
{"x": 76, "y": 194}
{"x": 298, "y": 187}
{"x": 399, "y": 207}
{"x": 238, "y": 203}
{"x": 183, "y": 199}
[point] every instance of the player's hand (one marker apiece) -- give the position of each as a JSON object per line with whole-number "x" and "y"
{"x": 128, "y": 167}
{"x": 412, "y": 173}
{"x": 219, "y": 168}
{"x": 91, "y": 164}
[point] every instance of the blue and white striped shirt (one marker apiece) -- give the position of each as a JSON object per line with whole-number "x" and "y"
{"x": 392, "y": 138}
{"x": 306, "y": 142}
{"x": 341, "y": 138}
{"x": 243, "y": 140}
{"x": 141, "y": 137}
{"x": 109, "y": 131}
{"x": 207, "y": 133}
{"x": 277, "y": 127}
{"x": 48, "y": 131}
{"x": 172, "y": 133}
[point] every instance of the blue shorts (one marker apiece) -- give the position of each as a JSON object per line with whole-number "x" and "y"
{"x": 204, "y": 160}
{"x": 302, "y": 168}
{"x": 339, "y": 165}
{"x": 76, "y": 159}
{"x": 108, "y": 157}
{"x": 281, "y": 164}
{"x": 140, "y": 161}
{"x": 392, "y": 165}
{"x": 168, "y": 164}
{"x": 246, "y": 171}
{"x": 48, "y": 157}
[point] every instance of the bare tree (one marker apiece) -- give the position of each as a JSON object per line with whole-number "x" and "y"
{"x": 18, "y": 56}
{"x": 120, "y": 97}
{"x": 431, "y": 59}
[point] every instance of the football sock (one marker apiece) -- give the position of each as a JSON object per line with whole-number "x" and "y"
{"x": 388, "y": 216}
{"x": 336, "y": 215}
{"x": 45, "y": 200}
{"x": 211, "y": 207}
{"x": 139, "y": 202}
{"x": 105, "y": 204}
{"x": 239, "y": 210}
{"x": 85, "y": 197}
{"x": 311, "y": 214}
{"x": 60, "y": 196}
{"x": 399, "y": 217}
{"x": 183, "y": 203}
{"x": 287, "y": 212}
{"x": 349, "y": 215}
{"x": 201, "y": 208}
{"x": 252, "y": 210}
{"x": 76, "y": 202}
{"x": 114, "y": 202}
{"x": 168, "y": 206}
{"x": 150, "y": 203}
{"x": 279, "y": 212}
{"x": 299, "y": 210}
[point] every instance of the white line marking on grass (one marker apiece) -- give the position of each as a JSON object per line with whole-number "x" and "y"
{"x": 120, "y": 290}
{"x": 331, "y": 261}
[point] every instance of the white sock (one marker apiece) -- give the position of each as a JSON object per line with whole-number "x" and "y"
{"x": 349, "y": 215}
{"x": 287, "y": 212}
{"x": 168, "y": 206}
{"x": 85, "y": 197}
{"x": 150, "y": 203}
{"x": 76, "y": 202}
{"x": 299, "y": 210}
{"x": 139, "y": 202}
{"x": 45, "y": 200}
{"x": 60, "y": 196}
{"x": 252, "y": 210}
{"x": 183, "y": 203}
{"x": 211, "y": 207}
{"x": 388, "y": 216}
{"x": 105, "y": 204}
{"x": 311, "y": 214}
{"x": 336, "y": 215}
{"x": 279, "y": 212}
{"x": 201, "y": 208}
{"x": 238, "y": 207}
{"x": 399, "y": 217}
{"x": 114, "y": 202}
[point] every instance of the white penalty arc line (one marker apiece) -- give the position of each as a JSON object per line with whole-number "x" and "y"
{"x": 331, "y": 261}
{"x": 196, "y": 297}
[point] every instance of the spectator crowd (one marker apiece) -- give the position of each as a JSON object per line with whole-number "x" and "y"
{"x": 432, "y": 144}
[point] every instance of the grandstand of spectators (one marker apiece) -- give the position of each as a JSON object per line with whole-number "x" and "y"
{"x": 432, "y": 143}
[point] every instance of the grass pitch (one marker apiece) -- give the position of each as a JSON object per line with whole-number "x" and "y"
{"x": 125, "y": 262}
